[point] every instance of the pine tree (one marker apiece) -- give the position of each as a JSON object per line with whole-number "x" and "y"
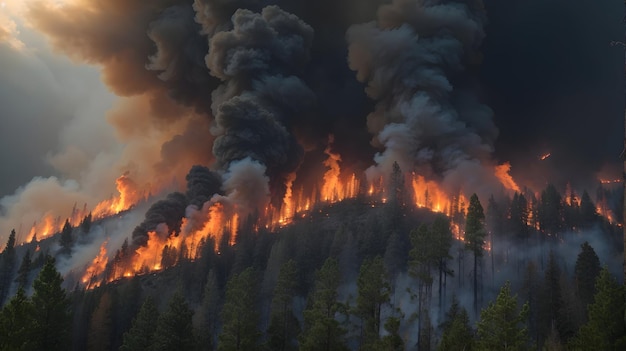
{"x": 240, "y": 315}
{"x": 475, "y": 238}
{"x": 322, "y": 331}
{"x": 551, "y": 299}
{"x": 392, "y": 341}
{"x": 606, "y": 328}
{"x": 174, "y": 328}
{"x": 551, "y": 211}
{"x": 8, "y": 261}
{"x": 457, "y": 331}
{"x": 284, "y": 327}
{"x": 24, "y": 270}
{"x": 499, "y": 325}
{"x": 588, "y": 212}
{"x": 141, "y": 334}
{"x": 586, "y": 271}
{"x": 16, "y": 322}
{"x": 373, "y": 293}
{"x": 442, "y": 236}
{"x": 51, "y": 318}
{"x": 66, "y": 240}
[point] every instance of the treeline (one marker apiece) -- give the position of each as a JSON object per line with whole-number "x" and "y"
{"x": 351, "y": 277}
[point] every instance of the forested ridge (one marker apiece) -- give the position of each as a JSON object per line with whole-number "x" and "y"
{"x": 531, "y": 273}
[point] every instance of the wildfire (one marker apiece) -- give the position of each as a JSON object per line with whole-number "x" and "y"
{"x": 220, "y": 217}
{"x": 128, "y": 196}
{"x": 95, "y": 270}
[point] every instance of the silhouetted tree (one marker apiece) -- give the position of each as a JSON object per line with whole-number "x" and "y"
{"x": 24, "y": 270}
{"x": 586, "y": 271}
{"x": 475, "y": 238}
{"x": 66, "y": 240}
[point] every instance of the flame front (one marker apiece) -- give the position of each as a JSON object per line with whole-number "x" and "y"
{"x": 220, "y": 217}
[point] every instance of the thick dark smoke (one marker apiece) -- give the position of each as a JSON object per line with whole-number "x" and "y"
{"x": 409, "y": 58}
{"x": 169, "y": 211}
{"x": 261, "y": 96}
{"x": 268, "y": 85}
{"x": 202, "y": 184}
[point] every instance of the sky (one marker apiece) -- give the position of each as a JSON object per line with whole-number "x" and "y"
{"x": 74, "y": 117}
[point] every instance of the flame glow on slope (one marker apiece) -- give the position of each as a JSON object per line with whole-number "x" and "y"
{"x": 220, "y": 217}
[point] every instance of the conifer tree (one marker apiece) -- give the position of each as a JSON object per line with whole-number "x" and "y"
{"x": 174, "y": 328}
{"x": 8, "y": 262}
{"x": 16, "y": 322}
{"x": 586, "y": 272}
{"x": 66, "y": 240}
{"x": 24, "y": 270}
{"x": 475, "y": 238}
{"x": 373, "y": 293}
{"x": 51, "y": 317}
{"x": 457, "y": 331}
{"x": 240, "y": 315}
{"x": 284, "y": 327}
{"x": 500, "y": 325}
{"x": 141, "y": 334}
{"x": 322, "y": 331}
{"x": 606, "y": 329}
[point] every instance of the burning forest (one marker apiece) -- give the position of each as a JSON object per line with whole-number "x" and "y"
{"x": 245, "y": 135}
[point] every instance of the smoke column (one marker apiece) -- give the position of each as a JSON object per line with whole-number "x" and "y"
{"x": 409, "y": 58}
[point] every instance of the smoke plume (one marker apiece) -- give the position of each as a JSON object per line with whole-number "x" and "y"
{"x": 409, "y": 58}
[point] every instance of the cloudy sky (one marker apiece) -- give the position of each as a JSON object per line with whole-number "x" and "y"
{"x": 548, "y": 72}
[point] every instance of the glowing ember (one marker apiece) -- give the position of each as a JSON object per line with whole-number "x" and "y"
{"x": 545, "y": 156}
{"x": 610, "y": 181}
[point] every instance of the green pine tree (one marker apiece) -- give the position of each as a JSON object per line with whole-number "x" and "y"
{"x": 373, "y": 294}
{"x": 51, "y": 318}
{"x": 141, "y": 334}
{"x": 322, "y": 332}
{"x": 284, "y": 327}
{"x": 457, "y": 331}
{"x": 606, "y": 329}
{"x": 240, "y": 315}
{"x": 16, "y": 322}
{"x": 500, "y": 325}
{"x": 174, "y": 328}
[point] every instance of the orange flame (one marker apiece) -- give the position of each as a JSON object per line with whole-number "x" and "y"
{"x": 128, "y": 196}
{"x": 502, "y": 173}
{"x": 91, "y": 276}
